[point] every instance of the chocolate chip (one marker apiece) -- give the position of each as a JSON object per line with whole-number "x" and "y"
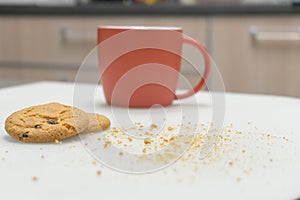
{"x": 37, "y": 126}
{"x": 25, "y": 135}
{"x": 52, "y": 121}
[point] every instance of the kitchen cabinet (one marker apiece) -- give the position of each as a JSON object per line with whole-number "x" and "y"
{"x": 258, "y": 54}
{"x": 62, "y": 43}
{"x": 255, "y": 54}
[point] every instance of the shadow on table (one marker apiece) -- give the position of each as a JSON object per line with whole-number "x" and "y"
{"x": 73, "y": 139}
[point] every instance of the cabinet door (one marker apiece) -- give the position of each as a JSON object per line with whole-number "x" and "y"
{"x": 10, "y": 39}
{"x": 258, "y": 54}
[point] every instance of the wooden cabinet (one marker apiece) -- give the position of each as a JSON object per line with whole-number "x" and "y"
{"x": 58, "y": 45}
{"x": 254, "y": 54}
{"x": 258, "y": 54}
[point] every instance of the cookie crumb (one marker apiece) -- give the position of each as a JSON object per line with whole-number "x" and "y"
{"x": 121, "y": 153}
{"x": 172, "y": 138}
{"x": 144, "y": 150}
{"x": 35, "y": 179}
{"x": 99, "y": 172}
{"x": 153, "y": 126}
{"x": 147, "y": 141}
{"x": 141, "y": 127}
{"x": 230, "y": 163}
{"x": 114, "y": 130}
{"x": 107, "y": 144}
{"x": 42, "y": 156}
{"x": 170, "y": 128}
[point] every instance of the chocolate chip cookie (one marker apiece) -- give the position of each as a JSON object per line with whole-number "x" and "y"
{"x": 46, "y": 123}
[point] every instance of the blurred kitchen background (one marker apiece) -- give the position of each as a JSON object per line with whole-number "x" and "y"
{"x": 255, "y": 43}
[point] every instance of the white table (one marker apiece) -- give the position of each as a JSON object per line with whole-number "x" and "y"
{"x": 67, "y": 171}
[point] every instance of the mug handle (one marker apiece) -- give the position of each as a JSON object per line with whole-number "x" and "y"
{"x": 200, "y": 85}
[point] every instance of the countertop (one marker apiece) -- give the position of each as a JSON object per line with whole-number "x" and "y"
{"x": 116, "y": 9}
{"x": 259, "y": 159}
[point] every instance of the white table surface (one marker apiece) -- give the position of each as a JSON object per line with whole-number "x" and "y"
{"x": 68, "y": 171}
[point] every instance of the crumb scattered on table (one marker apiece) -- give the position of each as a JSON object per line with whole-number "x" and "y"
{"x": 35, "y": 179}
{"x": 99, "y": 172}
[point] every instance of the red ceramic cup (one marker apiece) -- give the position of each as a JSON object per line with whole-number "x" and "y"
{"x": 140, "y": 66}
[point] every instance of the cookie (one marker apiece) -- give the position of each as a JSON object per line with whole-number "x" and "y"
{"x": 46, "y": 123}
{"x": 97, "y": 123}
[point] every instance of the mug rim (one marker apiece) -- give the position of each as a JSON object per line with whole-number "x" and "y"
{"x": 140, "y": 27}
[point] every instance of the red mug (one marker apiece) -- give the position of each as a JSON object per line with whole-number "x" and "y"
{"x": 140, "y": 66}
